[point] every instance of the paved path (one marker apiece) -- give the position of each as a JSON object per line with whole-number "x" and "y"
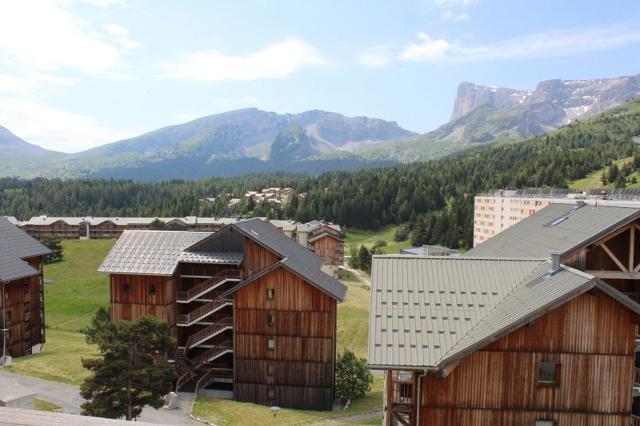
{"x": 68, "y": 397}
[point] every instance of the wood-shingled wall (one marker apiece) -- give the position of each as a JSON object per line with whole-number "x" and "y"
{"x": 304, "y": 331}
{"x": 591, "y": 337}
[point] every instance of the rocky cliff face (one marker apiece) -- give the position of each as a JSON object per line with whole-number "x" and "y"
{"x": 508, "y": 113}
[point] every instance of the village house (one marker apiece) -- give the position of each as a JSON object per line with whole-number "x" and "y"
{"x": 250, "y": 308}
{"x": 501, "y": 336}
{"x": 22, "y": 292}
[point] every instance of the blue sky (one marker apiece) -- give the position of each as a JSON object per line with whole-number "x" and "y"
{"x": 78, "y": 73}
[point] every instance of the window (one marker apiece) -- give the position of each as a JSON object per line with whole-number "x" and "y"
{"x": 152, "y": 289}
{"x": 271, "y": 343}
{"x": 271, "y": 318}
{"x": 548, "y": 374}
{"x": 271, "y": 394}
{"x": 545, "y": 423}
{"x": 271, "y": 293}
{"x": 126, "y": 287}
{"x": 270, "y": 369}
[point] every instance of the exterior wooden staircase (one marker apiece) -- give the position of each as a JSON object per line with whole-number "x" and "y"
{"x": 209, "y": 332}
{"x": 202, "y": 312}
{"x": 208, "y": 285}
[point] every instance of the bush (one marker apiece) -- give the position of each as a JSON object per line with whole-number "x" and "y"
{"x": 353, "y": 379}
{"x": 380, "y": 244}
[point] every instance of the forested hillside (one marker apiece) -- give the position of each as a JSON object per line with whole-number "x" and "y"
{"x": 434, "y": 197}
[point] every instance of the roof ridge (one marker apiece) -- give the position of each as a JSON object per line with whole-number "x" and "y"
{"x": 489, "y": 313}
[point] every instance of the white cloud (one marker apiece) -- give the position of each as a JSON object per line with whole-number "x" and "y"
{"x": 278, "y": 60}
{"x": 376, "y": 56}
{"x": 538, "y": 45}
{"x": 426, "y": 49}
{"x": 46, "y": 36}
{"x": 54, "y": 128}
{"x": 453, "y": 10}
{"x": 450, "y": 16}
{"x": 121, "y": 35}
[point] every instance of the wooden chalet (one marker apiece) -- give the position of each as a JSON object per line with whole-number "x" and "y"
{"x": 22, "y": 292}
{"x": 249, "y": 307}
{"x": 326, "y": 241}
{"x": 501, "y": 341}
{"x": 590, "y": 336}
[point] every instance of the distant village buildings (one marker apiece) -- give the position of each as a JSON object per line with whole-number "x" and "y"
{"x": 274, "y": 196}
{"x": 323, "y": 238}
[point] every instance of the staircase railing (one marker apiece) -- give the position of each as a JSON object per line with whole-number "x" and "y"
{"x": 209, "y": 284}
{"x": 202, "y": 312}
{"x": 213, "y": 353}
{"x": 208, "y": 332}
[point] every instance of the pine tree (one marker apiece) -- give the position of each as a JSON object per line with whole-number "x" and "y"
{"x": 126, "y": 378}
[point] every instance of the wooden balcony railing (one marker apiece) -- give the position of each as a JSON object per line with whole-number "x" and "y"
{"x": 209, "y": 284}
{"x": 635, "y": 420}
{"x": 636, "y": 382}
{"x": 202, "y": 312}
{"x": 213, "y": 353}
{"x": 208, "y": 332}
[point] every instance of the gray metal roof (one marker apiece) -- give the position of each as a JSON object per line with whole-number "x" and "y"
{"x": 427, "y": 312}
{"x": 294, "y": 257}
{"x": 557, "y": 227}
{"x": 149, "y": 252}
{"x": 15, "y": 245}
{"x": 221, "y": 258}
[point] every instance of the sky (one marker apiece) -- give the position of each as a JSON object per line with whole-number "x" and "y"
{"x": 75, "y": 74}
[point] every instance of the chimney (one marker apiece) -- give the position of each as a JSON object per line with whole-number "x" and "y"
{"x": 555, "y": 262}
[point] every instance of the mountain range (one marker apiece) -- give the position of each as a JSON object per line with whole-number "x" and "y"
{"x": 251, "y": 140}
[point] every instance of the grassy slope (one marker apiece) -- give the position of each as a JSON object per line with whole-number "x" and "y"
{"x": 75, "y": 293}
{"x": 592, "y": 180}
{"x": 357, "y": 237}
{"x": 77, "y": 290}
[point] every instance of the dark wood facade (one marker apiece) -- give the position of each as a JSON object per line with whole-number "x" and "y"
{"x": 24, "y": 313}
{"x": 297, "y": 370}
{"x": 135, "y": 296}
{"x": 591, "y": 340}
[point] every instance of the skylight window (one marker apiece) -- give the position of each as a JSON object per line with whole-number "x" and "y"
{"x": 559, "y": 220}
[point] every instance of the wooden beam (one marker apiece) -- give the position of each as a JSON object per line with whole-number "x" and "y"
{"x": 615, "y": 275}
{"x": 616, "y": 233}
{"x": 637, "y": 268}
{"x": 613, "y": 257}
{"x": 632, "y": 248}
{"x": 448, "y": 369}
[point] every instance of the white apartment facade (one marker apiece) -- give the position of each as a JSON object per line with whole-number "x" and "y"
{"x": 497, "y": 210}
